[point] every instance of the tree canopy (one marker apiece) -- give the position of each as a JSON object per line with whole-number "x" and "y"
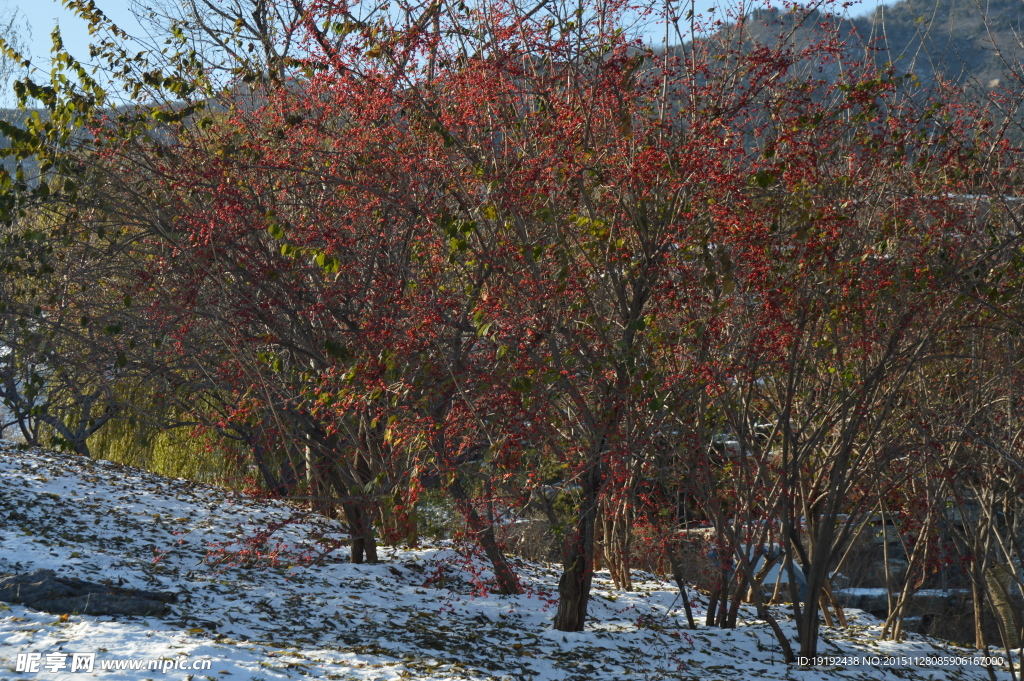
{"x": 516, "y": 255}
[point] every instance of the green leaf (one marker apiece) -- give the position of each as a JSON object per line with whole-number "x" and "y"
{"x": 764, "y": 178}
{"x": 521, "y": 384}
{"x": 327, "y": 263}
{"x": 335, "y": 349}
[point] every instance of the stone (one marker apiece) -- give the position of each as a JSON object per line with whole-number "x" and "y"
{"x": 46, "y": 591}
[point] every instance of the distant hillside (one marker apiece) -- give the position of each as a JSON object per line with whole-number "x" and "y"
{"x": 974, "y": 42}
{"x": 18, "y": 118}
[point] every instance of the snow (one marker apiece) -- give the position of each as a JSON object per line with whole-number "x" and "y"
{"x": 418, "y": 614}
{"x": 864, "y": 592}
{"x": 881, "y": 592}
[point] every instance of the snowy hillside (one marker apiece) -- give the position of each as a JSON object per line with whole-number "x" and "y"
{"x": 416, "y": 615}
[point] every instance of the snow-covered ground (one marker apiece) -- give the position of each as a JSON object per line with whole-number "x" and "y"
{"x": 416, "y": 615}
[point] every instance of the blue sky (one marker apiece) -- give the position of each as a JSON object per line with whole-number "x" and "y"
{"x": 42, "y": 15}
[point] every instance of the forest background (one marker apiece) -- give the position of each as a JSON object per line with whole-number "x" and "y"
{"x": 508, "y": 259}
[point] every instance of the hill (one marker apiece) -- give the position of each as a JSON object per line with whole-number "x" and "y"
{"x": 971, "y": 42}
{"x": 263, "y": 594}
{"x": 959, "y": 39}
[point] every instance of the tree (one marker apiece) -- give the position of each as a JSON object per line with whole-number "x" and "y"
{"x": 437, "y": 243}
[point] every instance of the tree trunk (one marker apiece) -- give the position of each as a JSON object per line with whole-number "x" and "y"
{"x": 734, "y": 608}
{"x": 506, "y": 579}
{"x": 709, "y": 618}
{"x": 364, "y": 545}
{"x": 616, "y": 519}
{"x": 816, "y": 574}
{"x": 316, "y": 489}
{"x": 358, "y": 514}
{"x": 578, "y": 560}
{"x": 677, "y": 575}
{"x": 978, "y": 591}
{"x": 80, "y": 447}
{"x": 764, "y": 614}
{"x": 810, "y": 623}
{"x": 723, "y": 601}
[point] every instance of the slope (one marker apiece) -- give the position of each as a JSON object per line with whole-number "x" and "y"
{"x": 264, "y": 595}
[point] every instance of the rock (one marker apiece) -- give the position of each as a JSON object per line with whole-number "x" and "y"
{"x": 44, "y": 590}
